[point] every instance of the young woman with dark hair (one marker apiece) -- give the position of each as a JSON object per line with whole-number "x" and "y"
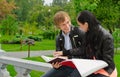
{"x": 99, "y": 43}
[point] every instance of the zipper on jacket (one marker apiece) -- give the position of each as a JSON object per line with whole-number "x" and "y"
{"x": 74, "y": 42}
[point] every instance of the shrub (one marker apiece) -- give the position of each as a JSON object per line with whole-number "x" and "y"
{"x": 48, "y": 34}
{"x": 36, "y": 38}
{"x": 15, "y": 41}
{"x": 4, "y": 41}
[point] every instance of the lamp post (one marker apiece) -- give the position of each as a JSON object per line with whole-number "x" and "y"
{"x": 29, "y": 42}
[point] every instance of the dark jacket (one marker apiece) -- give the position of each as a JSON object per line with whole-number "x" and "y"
{"x": 102, "y": 48}
{"x": 76, "y": 37}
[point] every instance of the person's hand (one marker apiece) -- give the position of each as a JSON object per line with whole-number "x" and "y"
{"x": 57, "y": 53}
{"x": 56, "y": 65}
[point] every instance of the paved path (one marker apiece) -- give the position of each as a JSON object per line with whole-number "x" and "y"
{"x": 24, "y": 54}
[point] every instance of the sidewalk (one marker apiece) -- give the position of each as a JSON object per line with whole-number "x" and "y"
{"x": 24, "y": 54}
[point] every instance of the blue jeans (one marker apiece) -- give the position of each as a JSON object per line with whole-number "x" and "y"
{"x": 62, "y": 72}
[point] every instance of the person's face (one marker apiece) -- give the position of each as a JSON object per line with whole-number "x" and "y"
{"x": 83, "y": 27}
{"x": 65, "y": 26}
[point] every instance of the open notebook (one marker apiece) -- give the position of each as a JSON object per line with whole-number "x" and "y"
{"x": 84, "y": 66}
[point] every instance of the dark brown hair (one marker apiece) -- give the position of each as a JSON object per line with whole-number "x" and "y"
{"x": 87, "y": 16}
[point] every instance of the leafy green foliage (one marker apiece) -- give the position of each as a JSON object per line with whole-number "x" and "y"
{"x": 35, "y": 19}
{"x": 36, "y": 38}
{"x": 59, "y": 2}
{"x": 24, "y": 6}
{"x": 31, "y": 15}
{"x": 85, "y": 5}
{"x": 48, "y": 35}
{"x": 6, "y": 8}
{"x": 116, "y": 35}
{"x": 108, "y": 14}
{"x": 9, "y": 26}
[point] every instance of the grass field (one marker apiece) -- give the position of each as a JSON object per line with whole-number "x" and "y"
{"x": 43, "y": 45}
{"x": 117, "y": 61}
{"x": 38, "y": 73}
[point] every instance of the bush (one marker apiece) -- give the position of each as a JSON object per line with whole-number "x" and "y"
{"x": 48, "y": 35}
{"x": 116, "y": 36}
{"x": 4, "y": 41}
{"x": 15, "y": 41}
{"x": 36, "y": 38}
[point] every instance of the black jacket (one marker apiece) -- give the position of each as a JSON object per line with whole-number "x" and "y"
{"x": 77, "y": 40}
{"x": 102, "y": 47}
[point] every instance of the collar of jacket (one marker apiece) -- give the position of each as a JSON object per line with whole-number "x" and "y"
{"x": 71, "y": 29}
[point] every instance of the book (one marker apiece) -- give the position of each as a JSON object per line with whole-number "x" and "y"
{"x": 84, "y": 66}
{"x": 63, "y": 61}
{"x": 51, "y": 59}
{"x": 88, "y": 66}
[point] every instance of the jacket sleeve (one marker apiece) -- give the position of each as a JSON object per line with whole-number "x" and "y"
{"x": 108, "y": 53}
{"x": 74, "y": 53}
{"x": 57, "y": 44}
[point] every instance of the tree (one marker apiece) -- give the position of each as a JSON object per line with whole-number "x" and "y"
{"x": 80, "y": 5}
{"x": 29, "y": 29}
{"x": 59, "y": 2}
{"x": 24, "y": 7}
{"x": 85, "y": 5}
{"x": 6, "y": 8}
{"x": 108, "y": 14}
{"x": 116, "y": 35}
{"x": 9, "y": 26}
{"x": 36, "y": 14}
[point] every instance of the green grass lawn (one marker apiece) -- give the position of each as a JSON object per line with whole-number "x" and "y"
{"x": 43, "y": 45}
{"x": 117, "y": 61}
{"x": 38, "y": 73}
